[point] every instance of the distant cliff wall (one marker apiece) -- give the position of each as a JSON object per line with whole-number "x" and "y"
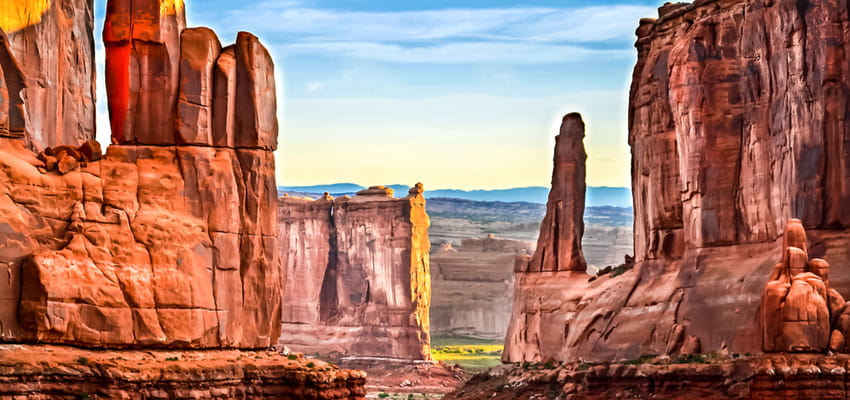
{"x": 472, "y": 287}
{"x": 356, "y": 274}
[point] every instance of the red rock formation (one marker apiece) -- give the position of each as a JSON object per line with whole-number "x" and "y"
{"x": 770, "y": 377}
{"x": 736, "y": 125}
{"x": 359, "y": 274}
{"x": 163, "y": 246}
{"x": 799, "y": 310}
{"x": 12, "y": 116}
{"x": 54, "y": 45}
{"x": 50, "y": 372}
{"x": 199, "y": 51}
{"x": 559, "y": 243}
{"x": 550, "y": 278}
{"x": 142, "y": 41}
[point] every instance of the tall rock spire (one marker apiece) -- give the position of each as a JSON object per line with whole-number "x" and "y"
{"x": 559, "y": 243}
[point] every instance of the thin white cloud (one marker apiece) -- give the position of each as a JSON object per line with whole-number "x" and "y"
{"x": 534, "y": 24}
{"x": 453, "y": 53}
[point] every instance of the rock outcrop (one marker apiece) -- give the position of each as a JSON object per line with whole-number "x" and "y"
{"x": 472, "y": 287}
{"x": 549, "y": 278}
{"x": 50, "y": 372}
{"x": 356, "y": 274}
{"x": 800, "y": 312}
{"x": 54, "y": 47}
{"x": 733, "y": 377}
{"x": 559, "y": 242}
{"x": 146, "y": 246}
{"x": 737, "y": 124}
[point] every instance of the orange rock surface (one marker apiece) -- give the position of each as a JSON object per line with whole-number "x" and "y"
{"x": 146, "y": 246}
{"x": 53, "y": 42}
{"x": 50, "y": 372}
{"x": 356, "y": 274}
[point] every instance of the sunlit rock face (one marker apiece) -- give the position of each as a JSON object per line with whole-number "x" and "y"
{"x": 356, "y": 274}
{"x": 54, "y": 47}
{"x": 737, "y": 124}
{"x": 172, "y": 245}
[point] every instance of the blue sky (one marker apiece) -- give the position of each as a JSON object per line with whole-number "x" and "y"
{"x": 457, "y": 94}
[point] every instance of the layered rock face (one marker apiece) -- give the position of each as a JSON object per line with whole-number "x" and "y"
{"x": 51, "y": 372}
{"x": 737, "y": 124}
{"x": 544, "y": 281}
{"x": 472, "y": 287}
{"x": 356, "y": 274}
{"x": 54, "y": 47}
{"x": 148, "y": 246}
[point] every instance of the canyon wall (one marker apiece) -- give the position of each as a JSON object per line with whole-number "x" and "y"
{"x": 737, "y": 123}
{"x": 145, "y": 246}
{"x": 472, "y": 286}
{"x": 356, "y": 274}
{"x": 54, "y": 47}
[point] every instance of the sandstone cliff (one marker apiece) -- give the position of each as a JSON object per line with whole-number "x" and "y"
{"x": 737, "y": 124}
{"x": 356, "y": 274}
{"x": 472, "y": 287}
{"x": 146, "y": 246}
{"x": 54, "y": 46}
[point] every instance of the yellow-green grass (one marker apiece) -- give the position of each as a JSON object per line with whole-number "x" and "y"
{"x": 474, "y": 355}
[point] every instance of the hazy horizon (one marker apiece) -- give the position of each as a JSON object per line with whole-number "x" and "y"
{"x": 455, "y": 94}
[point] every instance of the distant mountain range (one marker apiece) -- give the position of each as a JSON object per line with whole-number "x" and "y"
{"x": 596, "y": 196}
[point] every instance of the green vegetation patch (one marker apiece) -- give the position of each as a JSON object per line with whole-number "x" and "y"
{"x": 473, "y": 355}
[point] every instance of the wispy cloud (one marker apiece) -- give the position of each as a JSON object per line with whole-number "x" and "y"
{"x": 450, "y": 53}
{"x": 455, "y": 35}
{"x": 533, "y": 24}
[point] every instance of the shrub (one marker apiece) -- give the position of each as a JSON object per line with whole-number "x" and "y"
{"x": 383, "y": 395}
{"x": 292, "y": 357}
{"x": 83, "y": 361}
{"x": 172, "y": 359}
{"x": 311, "y": 365}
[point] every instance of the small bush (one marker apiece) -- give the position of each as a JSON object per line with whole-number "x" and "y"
{"x": 172, "y": 359}
{"x": 383, "y": 395}
{"x": 292, "y": 357}
{"x": 690, "y": 359}
{"x": 311, "y": 365}
{"x": 639, "y": 361}
{"x": 83, "y": 361}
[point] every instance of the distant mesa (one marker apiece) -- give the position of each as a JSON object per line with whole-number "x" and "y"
{"x": 596, "y": 196}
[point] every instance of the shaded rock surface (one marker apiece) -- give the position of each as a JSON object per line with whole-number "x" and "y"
{"x": 472, "y": 287}
{"x": 52, "y": 372}
{"x": 356, "y": 274}
{"x": 53, "y": 42}
{"x": 772, "y": 377}
{"x": 737, "y": 124}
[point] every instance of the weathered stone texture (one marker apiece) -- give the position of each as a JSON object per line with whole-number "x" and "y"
{"x": 148, "y": 246}
{"x": 359, "y": 272}
{"x": 472, "y": 286}
{"x": 737, "y": 124}
{"x": 54, "y": 46}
